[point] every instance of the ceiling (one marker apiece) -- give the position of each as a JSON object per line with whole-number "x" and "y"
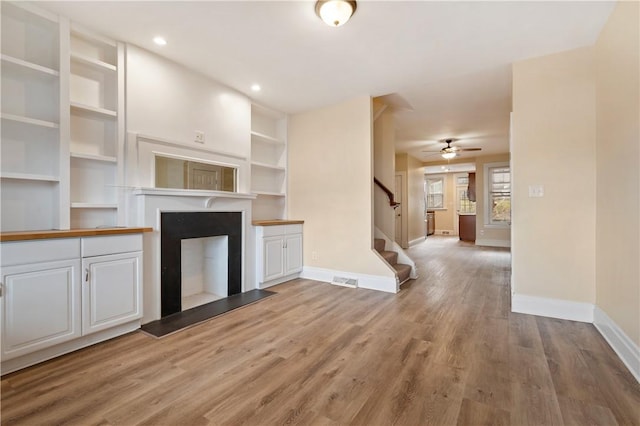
{"x": 450, "y": 61}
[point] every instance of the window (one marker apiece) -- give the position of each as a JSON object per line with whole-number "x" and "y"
{"x": 498, "y": 194}
{"x": 434, "y": 191}
{"x": 464, "y": 205}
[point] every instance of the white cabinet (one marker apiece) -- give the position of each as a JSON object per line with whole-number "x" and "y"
{"x": 272, "y": 258}
{"x": 279, "y": 253}
{"x": 41, "y": 306}
{"x": 112, "y": 277}
{"x": 59, "y": 295}
{"x": 293, "y": 253}
{"x": 268, "y": 162}
{"x": 111, "y": 291}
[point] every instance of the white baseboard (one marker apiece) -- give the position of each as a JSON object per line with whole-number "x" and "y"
{"x": 626, "y": 349}
{"x": 553, "y": 308}
{"x": 45, "y": 354}
{"x": 493, "y": 243}
{"x": 416, "y": 241}
{"x": 372, "y": 282}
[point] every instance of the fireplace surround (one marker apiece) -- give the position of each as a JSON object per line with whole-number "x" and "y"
{"x": 176, "y": 226}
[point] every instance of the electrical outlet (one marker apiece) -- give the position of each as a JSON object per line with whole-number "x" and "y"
{"x": 199, "y": 136}
{"x": 536, "y": 191}
{"x": 314, "y": 255}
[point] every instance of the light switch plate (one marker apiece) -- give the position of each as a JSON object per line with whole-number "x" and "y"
{"x": 536, "y": 191}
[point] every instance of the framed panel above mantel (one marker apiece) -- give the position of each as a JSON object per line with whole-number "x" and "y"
{"x": 141, "y": 151}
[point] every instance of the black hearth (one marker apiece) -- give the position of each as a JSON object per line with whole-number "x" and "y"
{"x": 176, "y": 226}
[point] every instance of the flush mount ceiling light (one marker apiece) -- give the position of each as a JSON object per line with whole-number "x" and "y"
{"x": 160, "y": 41}
{"x": 335, "y": 12}
{"x": 256, "y": 87}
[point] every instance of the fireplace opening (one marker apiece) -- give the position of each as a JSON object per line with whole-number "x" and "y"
{"x": 201, "y": 258}
{"x": 204, "y": 270}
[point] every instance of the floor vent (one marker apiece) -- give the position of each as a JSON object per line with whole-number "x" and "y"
{"x": 345, "y": 282}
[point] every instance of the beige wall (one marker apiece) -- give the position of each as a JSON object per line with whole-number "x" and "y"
{"x": 415, "y": 198}
{"x": 553, "y": 144}
{"x": 486, "y": 234}
{"x": 617, "y": 166}
{"x": 330, "y": 186}
{"x": 384, "y": 170}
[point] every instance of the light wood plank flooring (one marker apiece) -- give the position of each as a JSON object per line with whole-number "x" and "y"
{"x": 444, "y": 351}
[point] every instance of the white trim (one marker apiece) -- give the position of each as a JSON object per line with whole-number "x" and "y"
{"x": 553, "y": 308}
{"x": 443, "y": 178}
{"x": 417, "y": 241}
{"x": 493, "y": 243}
{"x": 161, "y": 141}
{"x": 486, "y": 183}
{"x": 42, "y": 355}
{"x": 626, "y": 349}
{"x": 450, "y": 232}
{"x": 277, "y": 281}
{"x": 371, "y": 282}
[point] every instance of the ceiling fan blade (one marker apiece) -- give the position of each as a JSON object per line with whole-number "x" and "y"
{"x": 469, "y": 149}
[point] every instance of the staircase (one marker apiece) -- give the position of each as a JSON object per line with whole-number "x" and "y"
{"x": 403, "y": 271}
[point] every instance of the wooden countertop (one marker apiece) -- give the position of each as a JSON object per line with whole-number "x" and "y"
{"x": 68, "y": 233}
{"x": 274, "y": 222}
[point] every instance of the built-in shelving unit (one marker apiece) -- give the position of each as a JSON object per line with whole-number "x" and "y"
{"x": 96, "y": 94}
{"x": 32, "y": 181}
{"x": 268, "y": 162}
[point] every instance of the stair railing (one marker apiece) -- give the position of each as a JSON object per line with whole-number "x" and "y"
{"x": 392, "y": 201}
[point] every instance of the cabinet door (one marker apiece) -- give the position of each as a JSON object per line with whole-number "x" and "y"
{"x": 111, "y": 291}
{"x": 293, "y": 254}
{"x": 272, "y": 249}
{"x": 40, "y": 306}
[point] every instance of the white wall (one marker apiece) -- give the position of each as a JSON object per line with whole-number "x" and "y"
{"x": 330, "y": 186}
{"x": 169, "y": 101}
{"x": 553, "y": 144}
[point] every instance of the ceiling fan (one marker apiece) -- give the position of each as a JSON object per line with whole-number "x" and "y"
{"x": 449, "y": 151}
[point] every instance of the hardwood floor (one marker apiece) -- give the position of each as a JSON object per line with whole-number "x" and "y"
{"x": 446, "y": 350}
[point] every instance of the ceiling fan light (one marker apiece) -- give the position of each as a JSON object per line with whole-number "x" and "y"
{"x": 335, "y": 12}
{"x": 448, "y": 155}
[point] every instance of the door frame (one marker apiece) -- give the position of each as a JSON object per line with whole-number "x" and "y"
{"x": 404, "y": 210}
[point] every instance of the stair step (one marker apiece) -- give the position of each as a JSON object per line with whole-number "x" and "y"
{"x": 390, "y": 256}
{"x": 378, "y": 244}
{"x": 404, "y": 271}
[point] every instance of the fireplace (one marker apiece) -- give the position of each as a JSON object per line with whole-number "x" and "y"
{"x": 220, "y": 233}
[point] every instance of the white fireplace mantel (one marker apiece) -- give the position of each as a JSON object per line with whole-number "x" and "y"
{"x": 146, "y": 206}
{"x": 208, "y": 196}
{"x": 173, "y": 192}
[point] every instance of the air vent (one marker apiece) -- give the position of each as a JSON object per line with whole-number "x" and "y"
{"x": 345, "y": 282}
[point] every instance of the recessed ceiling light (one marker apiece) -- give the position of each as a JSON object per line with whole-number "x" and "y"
{"x": 255, "y": 87}
{"x": 160, "y": 41}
